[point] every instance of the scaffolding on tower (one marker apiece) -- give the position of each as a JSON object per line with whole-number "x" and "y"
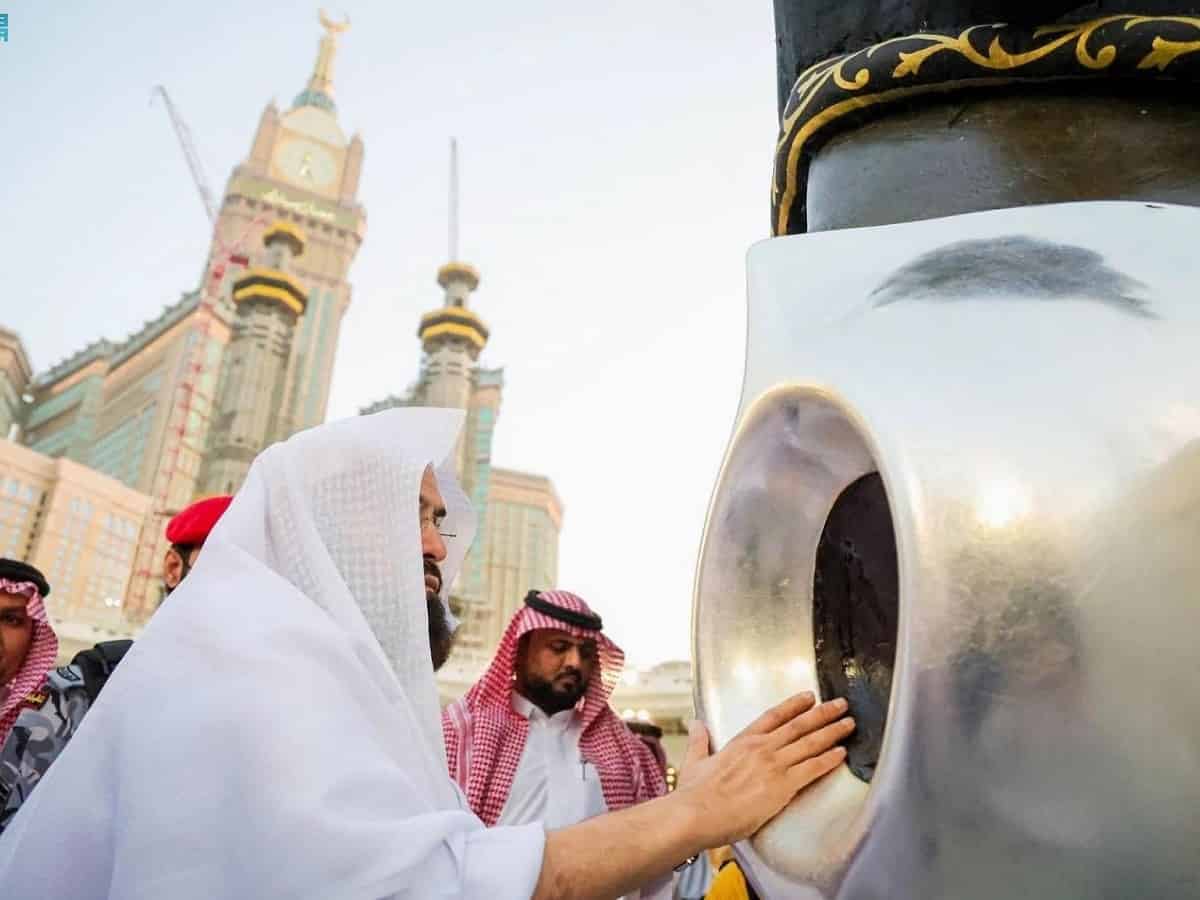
{"x": 192, "y": 400}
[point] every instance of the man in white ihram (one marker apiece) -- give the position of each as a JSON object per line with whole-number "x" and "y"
{"x": 275, "y": 733}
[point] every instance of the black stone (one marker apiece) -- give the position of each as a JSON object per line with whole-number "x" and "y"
{"x": 856, "y": 614}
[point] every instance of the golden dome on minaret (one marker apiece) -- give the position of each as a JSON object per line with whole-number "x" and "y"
{"x": 452, "y": 323}
{"x": 271, "y": 286}
{"x": 285, "y": 231}
{"x": 458, "y": 271}
{"x": 271, "y": 283}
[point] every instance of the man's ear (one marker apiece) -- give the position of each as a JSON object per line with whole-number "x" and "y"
{"x": 522, "y": 653}
{"x": 172, "y": 568}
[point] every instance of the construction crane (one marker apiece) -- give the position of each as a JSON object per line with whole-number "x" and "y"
{"x": 193, "y": 398}
{"x": 184, "y": 134}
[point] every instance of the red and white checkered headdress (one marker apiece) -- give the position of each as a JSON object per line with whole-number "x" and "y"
{"x": 485, "y": 736}
{"x": 38, "y": 661}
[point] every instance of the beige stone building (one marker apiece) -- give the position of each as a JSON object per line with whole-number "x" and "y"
{"x": 81, "y": 528}
{"x": 520, "y": 552}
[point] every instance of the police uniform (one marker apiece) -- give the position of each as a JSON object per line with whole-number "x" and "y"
{"x": 43, "y": 728}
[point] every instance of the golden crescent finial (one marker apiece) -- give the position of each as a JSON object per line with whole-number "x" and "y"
{"x": 330, "y": 25}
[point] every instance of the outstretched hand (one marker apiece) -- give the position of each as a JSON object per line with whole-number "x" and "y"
{"x": 721, "y": 798}
{"x": 738, "y": 790}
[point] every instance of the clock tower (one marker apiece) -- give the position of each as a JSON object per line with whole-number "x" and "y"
{"x": 301, "y": 169}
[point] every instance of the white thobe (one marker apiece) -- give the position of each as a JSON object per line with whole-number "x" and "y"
{"x": 554, "y": 784}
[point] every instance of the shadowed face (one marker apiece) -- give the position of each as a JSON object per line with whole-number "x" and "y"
{"x": 16, "y": 634}
{"x": 178, "y": 562}
{"x": 554, "y": 668}
{"x": 433, "y": 550}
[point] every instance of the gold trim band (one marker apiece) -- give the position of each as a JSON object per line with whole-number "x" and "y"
{"x": 834, "y": 94}
{"x": 455, "y": 330}
{"x": 286, "y": 230}
{"x": 268, "y": 292}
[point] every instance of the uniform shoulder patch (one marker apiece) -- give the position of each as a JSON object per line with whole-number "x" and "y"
{"x": 65, "y": 678}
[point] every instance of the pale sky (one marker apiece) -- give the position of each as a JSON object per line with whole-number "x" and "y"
{"x": 615, "y": 166}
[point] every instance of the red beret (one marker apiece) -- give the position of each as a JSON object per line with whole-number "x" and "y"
{"x": 192, "y": 525}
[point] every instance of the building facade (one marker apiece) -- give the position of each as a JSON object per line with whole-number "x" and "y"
{"x": 82, "y": 529}
{"x": 519, "y": 551}
{"x": 112, "y": 406}
{"x": 476, "y": 450}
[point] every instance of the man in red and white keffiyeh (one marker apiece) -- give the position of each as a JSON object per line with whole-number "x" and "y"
{"x": 535, "y": 738}
{"x": 28, "y": 644}
{"x": 40, "y": 706}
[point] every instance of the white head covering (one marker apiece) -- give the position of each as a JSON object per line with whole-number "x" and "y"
{"x": 275, "y": 732}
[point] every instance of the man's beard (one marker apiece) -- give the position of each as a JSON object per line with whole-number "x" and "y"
{"x": 550, "y": 700}
{"x": 441, "y": 638}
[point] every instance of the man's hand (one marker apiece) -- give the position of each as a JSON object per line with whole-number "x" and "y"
{"x": 737, "y": 791}
{"x": 721, "y": 798}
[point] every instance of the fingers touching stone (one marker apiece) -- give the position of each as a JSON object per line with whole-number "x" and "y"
{"x": 814, "y": 719}
{"x": 781, "y": 714}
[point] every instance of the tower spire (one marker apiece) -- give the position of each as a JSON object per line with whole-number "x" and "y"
{"x": 453, "y": 222}
{"x": 319, "y": 91}
{"x": 454, "y": 325}
{"x": 457, "y": 277}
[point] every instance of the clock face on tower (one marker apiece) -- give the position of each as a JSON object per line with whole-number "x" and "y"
{"x": 307, "y": 164}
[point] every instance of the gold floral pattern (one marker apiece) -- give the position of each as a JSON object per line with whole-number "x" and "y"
{"x": 837, "y": 92}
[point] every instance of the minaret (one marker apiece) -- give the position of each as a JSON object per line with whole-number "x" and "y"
{"x": 453, "y": 336}
{"x": 252, "y": 400}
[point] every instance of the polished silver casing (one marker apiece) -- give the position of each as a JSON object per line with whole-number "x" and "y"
{"x": 1027, "y": 384}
